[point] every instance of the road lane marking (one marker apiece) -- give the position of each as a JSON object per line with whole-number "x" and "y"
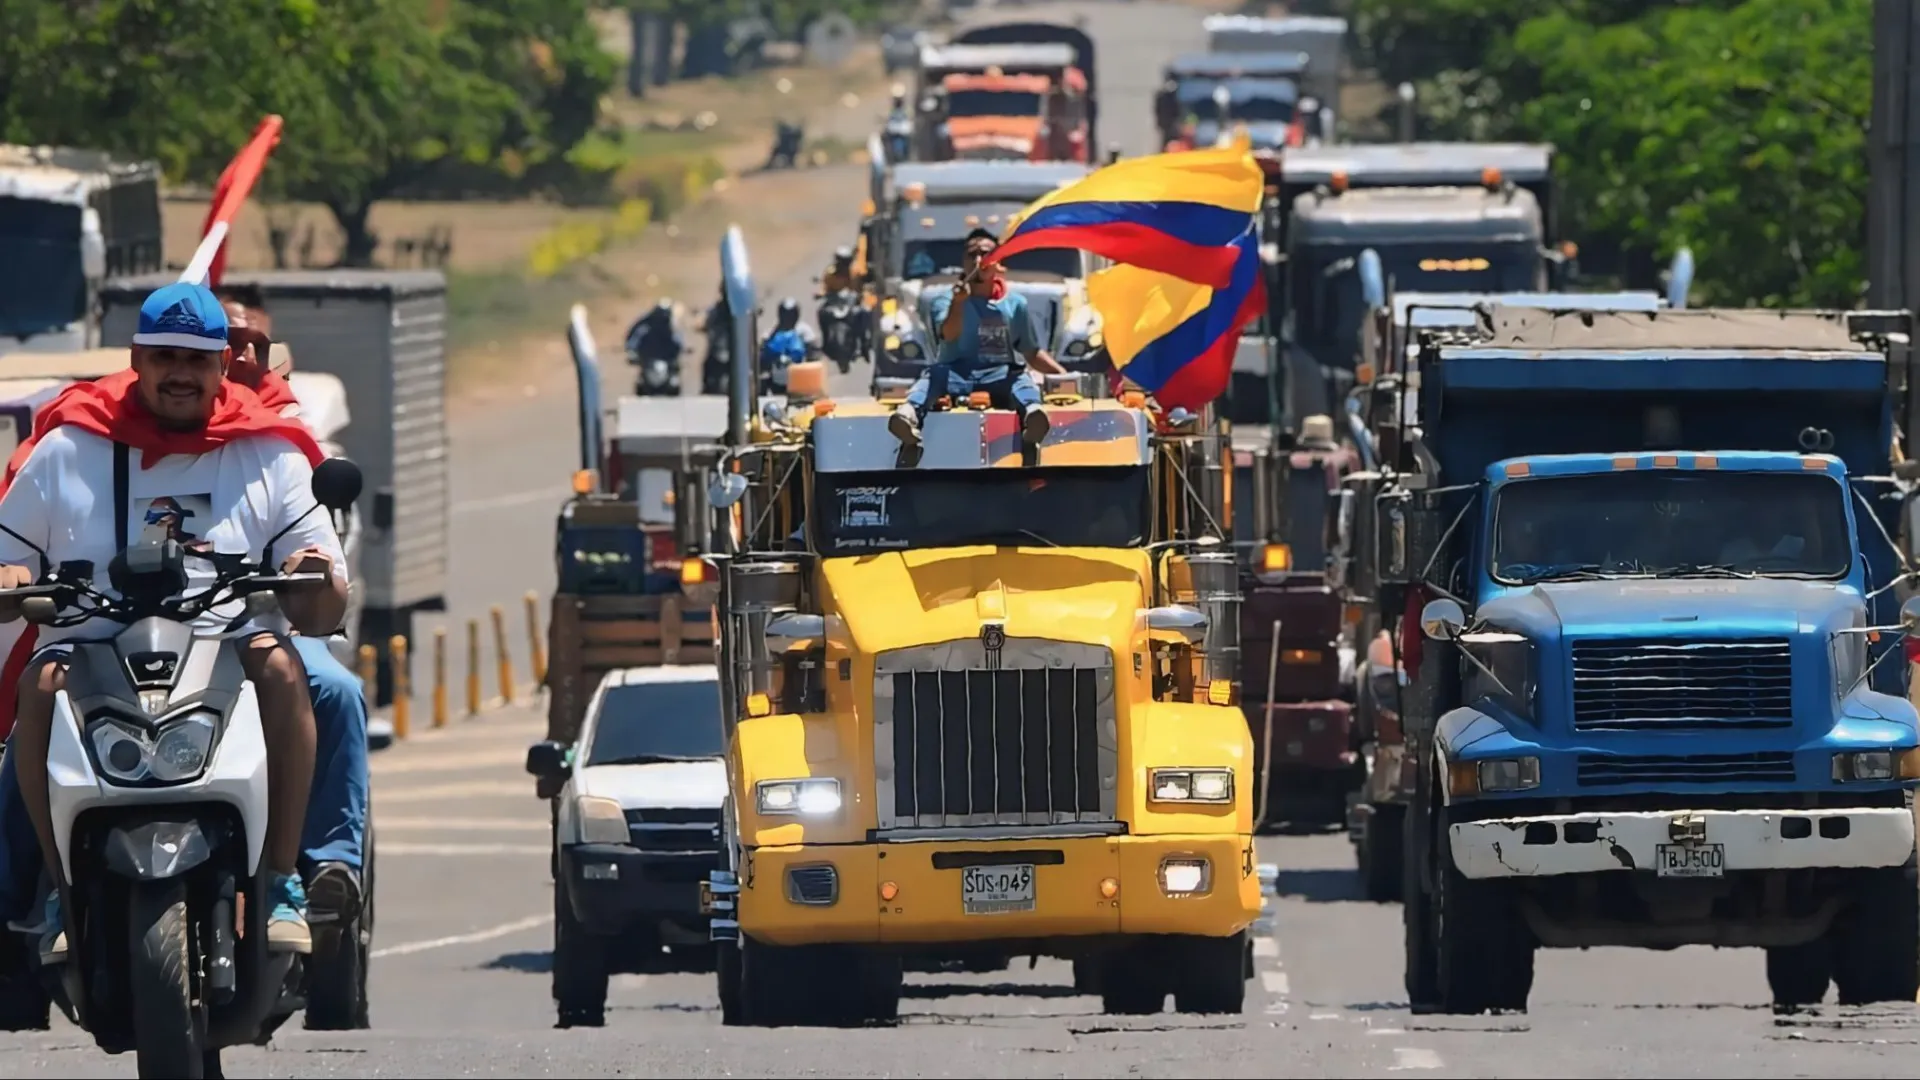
{"x": 1264, "y": 946}
{"x": 457, "y": 824}
{"x": 1413, "y": 1057}
{"x": 403, "y": 848}
{"x": 1386, "y": 1031}
{"x": 629, "y": 981}
{"x": 1275, "y": 983}
{"x": 477, "y": 936}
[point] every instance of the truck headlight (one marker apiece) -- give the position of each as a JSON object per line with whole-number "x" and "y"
{"x": 601, "y": 821}
{"x": 1863, "y": 765}
{"x": 1186, "y": 875}
{"x": 175, "y": 753}
{"x": 810, "y": 797}
{"x": 1191, "y": 785}
{"x": 1494, "y": 775}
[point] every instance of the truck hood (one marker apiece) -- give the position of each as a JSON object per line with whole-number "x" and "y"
{"x": 906, "y": 598}
{"x": 668, "y": 785}
{"x": 1684, "y": 608}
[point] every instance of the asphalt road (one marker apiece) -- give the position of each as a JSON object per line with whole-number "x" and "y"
{"x": 460, "y": 981}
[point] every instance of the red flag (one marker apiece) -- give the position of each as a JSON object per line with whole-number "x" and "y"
{"x": 229, "y": 195}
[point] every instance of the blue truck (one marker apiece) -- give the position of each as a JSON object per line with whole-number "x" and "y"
{"x": 1647, "y": 570}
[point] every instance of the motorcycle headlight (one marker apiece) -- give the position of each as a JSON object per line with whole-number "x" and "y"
{"x": 1076, "y": 348}
{"x": 656, "y": 375}
{"x": 910, "y": 350}
{"x": 176, "y": 753}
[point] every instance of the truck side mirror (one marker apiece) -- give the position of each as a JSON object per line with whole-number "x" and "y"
{"x": 1442, "y": 619}
{"x": 546, "y": 759}
{"x": 726, "y": 489}
{"x": 1910, "y": 615}
{"x": 1910, "y": 536}
{"x": 785, "y": 630}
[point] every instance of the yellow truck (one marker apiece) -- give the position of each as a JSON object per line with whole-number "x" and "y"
{"x": 982, "y": 703}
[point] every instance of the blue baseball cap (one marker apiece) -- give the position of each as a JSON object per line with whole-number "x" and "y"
{"x": 183, "y": 316}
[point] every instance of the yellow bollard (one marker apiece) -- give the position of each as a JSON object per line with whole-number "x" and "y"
{"x": 473, "y": 667}
{"x": 369, "y": 675}
{"x": 502, "y": 655}
{"x": 535, "y": 647}
{"x": 440, "y": 677}
{"x": 402, "y": 690}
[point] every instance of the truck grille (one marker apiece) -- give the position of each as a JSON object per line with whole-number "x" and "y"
{"x": 1679, "y": 684}
{"x": 965, "y": 741}
{"x": 1619, "y": 770}
{"x": 674, "y": 829}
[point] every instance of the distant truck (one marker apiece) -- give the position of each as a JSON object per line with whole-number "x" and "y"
{"x": 1643, "y": 569}
{"x": 1001, "y": 102}
{"x": 1084, "y": 66}
{"x": 1322, "y": 37}
{"x": 70, "y": 219}
{"x": 382, "y": 333}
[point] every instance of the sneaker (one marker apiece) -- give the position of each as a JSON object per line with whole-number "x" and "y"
{"x": 287, "y": 924}
{"x": 905, "y": 425}
{"x": 334, "y": 895}
{"x": 52, "y": 931}
{"x": 1035, "y": 425}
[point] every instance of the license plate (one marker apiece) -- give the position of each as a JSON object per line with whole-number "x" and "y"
{"x": 996, "y": 890}
{"x": 1690, "y": 860}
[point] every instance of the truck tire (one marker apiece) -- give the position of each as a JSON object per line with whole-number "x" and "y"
{"x": 579, "y": 968}
{"x": 1482, "y": 944}
{"x": 1381, "y": 855}
{"x": 882, "y": 978}
{"x": 1798, "y": 975}
{"x": 726, "y": 977}
{"x": 1133, "y": 981}
{"x": 1416, "y": 913}
{"x": 1210, "y": 974}
{"x": 1876, "y": 942}
{"x": 808, "y": 986}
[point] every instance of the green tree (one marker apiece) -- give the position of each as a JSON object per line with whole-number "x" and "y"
{"x": 1738, "y": 131}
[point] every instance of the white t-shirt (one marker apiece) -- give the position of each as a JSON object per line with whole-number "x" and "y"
{"x": 231, "y": 501}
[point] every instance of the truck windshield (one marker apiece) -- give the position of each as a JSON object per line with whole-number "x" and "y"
{"x": 1260, "y": 111}
{"x": 1104, "y": 507}
{"x": 992, "y": 103}
{"x": 1330, "y": 326}
{"x": 643, "y": 723}
{"x": 43, "y": 285}
{"x": 1671, "y": 524}
{"x": 925, "y": 258}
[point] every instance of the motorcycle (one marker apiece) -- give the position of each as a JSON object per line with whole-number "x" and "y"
{"x": 157, "y": 786}
{"x": 658, "y": 363}
{"x": 787, "y": 141}
{"x": 778, "y": 353}
{"x": 839, "y": 320}
{"x": 717, "y": 367}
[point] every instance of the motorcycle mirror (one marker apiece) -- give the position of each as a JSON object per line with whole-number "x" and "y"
{"x": 336, "y": 483}
{"x": 39, "y": 610}
{"x": 726, "y": 489}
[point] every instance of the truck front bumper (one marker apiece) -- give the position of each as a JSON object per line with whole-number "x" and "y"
{"x": 910, "y": 893}
{"x": 1523, "y": 847}
{"x": 612, "y": 888}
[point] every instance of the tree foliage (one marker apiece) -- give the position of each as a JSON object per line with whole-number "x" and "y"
{"x": 1733, "y": 126}
{"x": 376, "y": 93}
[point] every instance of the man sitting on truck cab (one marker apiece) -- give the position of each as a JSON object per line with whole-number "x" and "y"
{"x": 986, "y": 343}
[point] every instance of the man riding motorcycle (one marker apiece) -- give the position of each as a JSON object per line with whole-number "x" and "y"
{"x": 840, "y": 277}
{"x": 654, "y": 345}
{"x": 899, "y": 128}
{"x": 216, "y": 466}
{"x": 791, "y": 342}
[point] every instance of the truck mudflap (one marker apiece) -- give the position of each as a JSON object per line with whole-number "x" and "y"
{"x": 720, "y": 902}
{"x": 1682, "y": 843}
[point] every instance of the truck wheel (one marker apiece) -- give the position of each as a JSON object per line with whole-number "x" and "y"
{"x": 579, "y": 968}
{"x": 1211, "y": 974}
{"x": 726, "y": 977}
{"x": 1798, "y": 974}
{"x": 882, "y": 977}
{"x": 1086, "y": 975}
{"x": 1416, "y": 912}
{"x": 1380, "y": 854}
{"x": 1133, "y": 982}
{"x": 1876, "y": 942}
{"x": 1484, "y": 948}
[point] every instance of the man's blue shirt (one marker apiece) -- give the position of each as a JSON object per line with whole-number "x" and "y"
{"x": 995, "y": 335}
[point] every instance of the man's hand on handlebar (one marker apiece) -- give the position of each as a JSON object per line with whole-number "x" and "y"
{"x": 12, "y": 577}
{"x": 309, "y": 560}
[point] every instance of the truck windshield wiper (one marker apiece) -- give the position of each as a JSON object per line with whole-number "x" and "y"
{"x": 1535, "y": 573}
{"x": 654, "y": 759}
{"x": 1704, "y": 570}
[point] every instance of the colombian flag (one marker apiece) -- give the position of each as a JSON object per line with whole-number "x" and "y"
{"x": 1181, "y": 226}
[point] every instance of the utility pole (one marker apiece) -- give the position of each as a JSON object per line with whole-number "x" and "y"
{"x": 1893, "y": 155}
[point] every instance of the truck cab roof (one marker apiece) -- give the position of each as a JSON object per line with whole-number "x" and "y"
{"x": 854, "y": 437}
{"x": 1415, "y": 214}
{"x": 661, "y": 673}
{"x": 966, "y": 181}
{"x": 1417, "y": 163}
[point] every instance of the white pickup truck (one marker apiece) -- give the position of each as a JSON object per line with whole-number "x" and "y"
{"x": 636, "y": 830}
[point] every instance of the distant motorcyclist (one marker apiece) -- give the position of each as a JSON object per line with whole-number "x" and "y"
{"x": 840, "y": 274}
{"x": 899, "y": 126}
{"x": 714, "y": 371}
{"x": 791, "y": 342}
{"x": 654, "y": 345}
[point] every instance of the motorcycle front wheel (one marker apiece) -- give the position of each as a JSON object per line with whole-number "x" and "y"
{"x": 168, "y": 1031}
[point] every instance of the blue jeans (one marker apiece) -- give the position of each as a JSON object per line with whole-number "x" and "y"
{"x": 1009, "y": 389}
{"x": 336, "y": 809}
